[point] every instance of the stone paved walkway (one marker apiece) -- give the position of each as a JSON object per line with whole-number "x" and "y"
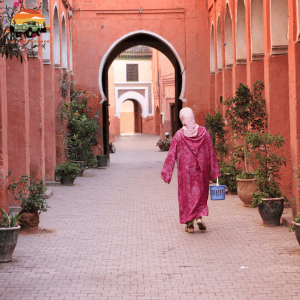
{"x": 117, "y": 236}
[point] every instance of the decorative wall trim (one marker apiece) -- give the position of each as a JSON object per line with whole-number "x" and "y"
{"x": 241, "y": 61}
{"x": 258, "y": 56}
{"x": 280, "y": 49}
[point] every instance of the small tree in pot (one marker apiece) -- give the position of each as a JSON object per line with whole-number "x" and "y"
{"x": 269, "y": 198}
{"x": 30, "y": 194}
{"x": 246, "y": 113}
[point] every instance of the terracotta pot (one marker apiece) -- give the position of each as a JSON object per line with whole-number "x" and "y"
{"x": 8, "y": 242}
{"x": 245, "y": 189}
{"x": 29, "y": 220}
{"x": 297, "y": 231}
{"x": 271, "y": 211}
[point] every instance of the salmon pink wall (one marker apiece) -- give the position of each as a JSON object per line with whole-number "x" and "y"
{"x": 182, "y": 27}
{"x": 276, "y": 66}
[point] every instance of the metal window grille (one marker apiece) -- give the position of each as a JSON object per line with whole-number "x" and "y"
{"x": 132, "y": 72}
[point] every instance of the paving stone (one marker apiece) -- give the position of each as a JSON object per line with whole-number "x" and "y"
{"x": 116, "y": 235}
{"x": 48, "y": 194}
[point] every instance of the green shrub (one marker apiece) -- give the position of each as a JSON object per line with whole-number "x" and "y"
{"x": 265, "y": 151}
{"x": 29, "y": 193}
{"x": 68, "y": 168}
{"x": 81, "y": 128}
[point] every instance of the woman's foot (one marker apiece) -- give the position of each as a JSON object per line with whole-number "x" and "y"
{"x": 189, "y": 228}
{"x": 201, "y": 224}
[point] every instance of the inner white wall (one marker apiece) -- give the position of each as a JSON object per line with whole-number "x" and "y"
{"x": 212, "y": 50}
{"x": 279, "y": 22}
{"x": 241, "y": 47}
{"x": 219, "y": 44}
{"x": 228, "y": 38}
{"x": 56, "y": 41}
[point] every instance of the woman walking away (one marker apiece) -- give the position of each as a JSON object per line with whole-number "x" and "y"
{"x": 197, "y": 164}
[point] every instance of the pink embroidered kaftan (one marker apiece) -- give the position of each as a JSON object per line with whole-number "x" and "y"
{"x": 197, "y": 164}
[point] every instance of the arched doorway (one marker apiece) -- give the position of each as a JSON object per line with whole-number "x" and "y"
{"x": 131, "y": 40}
{"x": 130, "y": 117}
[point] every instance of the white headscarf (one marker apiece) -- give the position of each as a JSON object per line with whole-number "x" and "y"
{"x": 188, "y": 120}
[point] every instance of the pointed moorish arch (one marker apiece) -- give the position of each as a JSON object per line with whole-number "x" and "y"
{"x": 228, "y": 38}
{"x": 212, "y": 50}
{"x": 155, "y": 41}
{"x": 64, "y": 44}
{"x": 132, "y": 39}
{"x": 257, "y": 30}
{"x": 219, "y": 45}
{"x": 56, "y": 39}
{"x": 241, "y": 46}
{"x": 280, "y": 26}
{"x": 46, "y": 35}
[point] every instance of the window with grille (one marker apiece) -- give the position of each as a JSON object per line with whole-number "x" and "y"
{"x": 132, "y": 71}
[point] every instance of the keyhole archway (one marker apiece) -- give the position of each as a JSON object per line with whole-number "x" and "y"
{"x": 130, "y": 40}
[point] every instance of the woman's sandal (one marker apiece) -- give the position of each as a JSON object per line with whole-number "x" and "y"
{"x": 189, "y": 229}
{"x": 201, "y": 224}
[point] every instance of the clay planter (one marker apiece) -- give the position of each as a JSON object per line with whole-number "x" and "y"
{"x": 245, "y": 189}
{"x": 29, "y": 220}
{"x": 271, "y": 211}
{"x": 297, "y": 231}
{"x": 8, "y": 242}
{"x": 67, "y": 180}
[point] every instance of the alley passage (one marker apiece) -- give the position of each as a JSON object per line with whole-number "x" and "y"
{"x": 117, "y": 236}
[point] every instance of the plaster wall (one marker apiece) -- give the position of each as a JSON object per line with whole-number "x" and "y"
{"x": 28, "y": 122}
{"x": 269, "y": 27}
{"x": 257, "y": 26}
{"x": 182, "y": 23}
{"x": 144, "y": 69}
{"x": 127, "y": 117}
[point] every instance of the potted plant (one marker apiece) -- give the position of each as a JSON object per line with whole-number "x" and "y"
{"x": 246, "y": 113}
{"x": 30, "y": 194}
{"x": 296, "y": 227}
{"x": 9, "y": 229}
{"x": 67, "y": 172}
{"x": 268, "y": 198}
{"x": 81, "y": 126}
{"x": 229, "y": 174}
